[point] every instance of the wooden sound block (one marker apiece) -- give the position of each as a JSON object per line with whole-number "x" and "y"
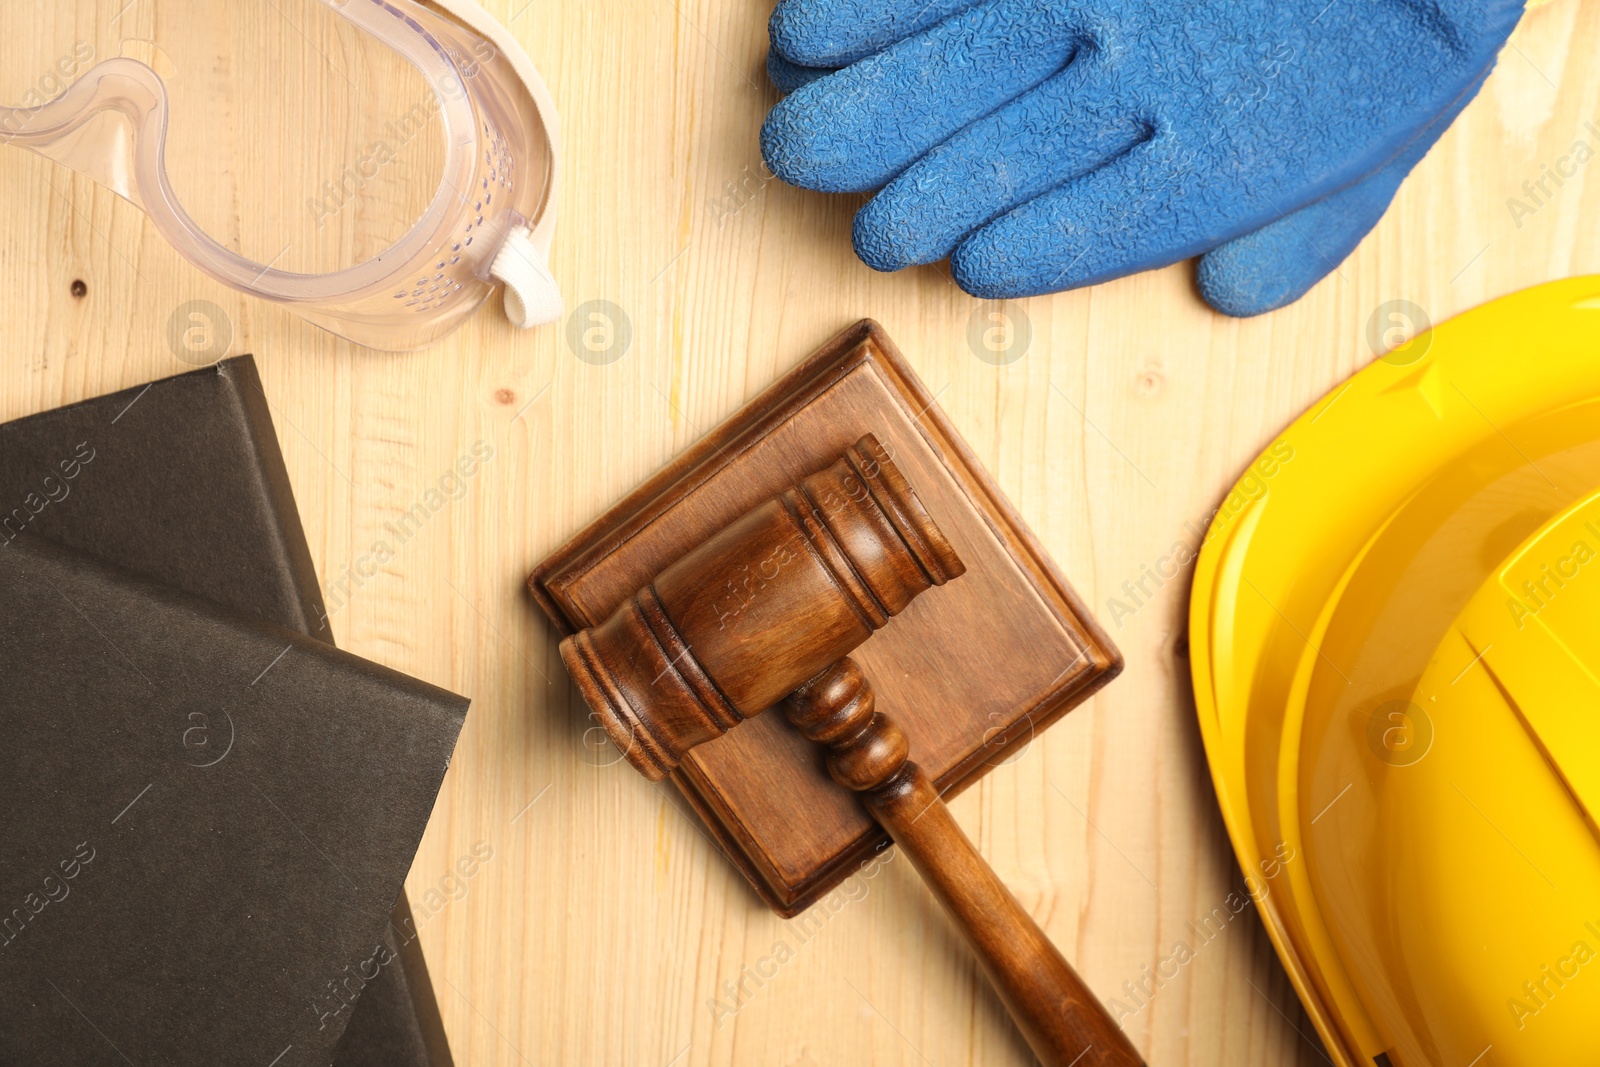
{"x": 970, "y": 671}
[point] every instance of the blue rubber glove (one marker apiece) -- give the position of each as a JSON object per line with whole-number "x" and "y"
{"x": 1048, "y": 144}
{"x": 1279, "y": 263}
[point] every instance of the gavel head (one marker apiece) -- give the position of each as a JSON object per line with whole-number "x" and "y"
{"x": 766, "y": 604}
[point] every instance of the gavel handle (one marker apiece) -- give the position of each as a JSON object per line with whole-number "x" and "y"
{"x": 1063, "y": 1022}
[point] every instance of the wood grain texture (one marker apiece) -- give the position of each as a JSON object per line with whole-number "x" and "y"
{"x": 1115, "y": 433}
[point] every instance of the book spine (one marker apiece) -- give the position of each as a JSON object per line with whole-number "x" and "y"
{"x": 371, "y": 1037}
{"x": 291, "y": 549}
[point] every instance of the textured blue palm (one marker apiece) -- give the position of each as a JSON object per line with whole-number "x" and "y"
{"x": 1049, "y": 144}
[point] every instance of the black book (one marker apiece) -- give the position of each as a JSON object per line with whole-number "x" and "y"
{"x": 182, "y": 481}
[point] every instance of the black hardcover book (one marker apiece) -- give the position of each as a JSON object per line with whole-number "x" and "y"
{"x": 182, "y": 481}
{"x": 207, "y": 820}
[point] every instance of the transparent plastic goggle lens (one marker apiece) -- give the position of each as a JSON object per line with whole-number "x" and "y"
{"x": 474, "y": 150}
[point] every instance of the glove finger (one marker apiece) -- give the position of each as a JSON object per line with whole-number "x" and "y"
{"x": 1129, "y": 215}
{"x": 836, "y": 33}
{"x": 1050, "y": 135}
{"x": 788, "y": 77}
{"x": 858, "y": 128}
{"x": 1278, "y": 264}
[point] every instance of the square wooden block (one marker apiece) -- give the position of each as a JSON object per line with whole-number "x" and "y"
{"x": 970, "y": 672}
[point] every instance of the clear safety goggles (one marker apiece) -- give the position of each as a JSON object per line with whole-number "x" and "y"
{"x": 467, "y": 159}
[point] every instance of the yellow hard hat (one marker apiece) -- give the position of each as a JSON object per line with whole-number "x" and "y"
{"x": 1395, "y": 635}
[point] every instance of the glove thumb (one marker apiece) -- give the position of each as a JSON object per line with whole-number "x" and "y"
{"x": 1277, "y": 264}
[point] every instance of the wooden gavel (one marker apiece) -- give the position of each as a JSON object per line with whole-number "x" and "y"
{"x": 767, "y": 611}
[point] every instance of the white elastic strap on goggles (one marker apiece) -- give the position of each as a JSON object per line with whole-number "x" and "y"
{"x": 532, "y": 296}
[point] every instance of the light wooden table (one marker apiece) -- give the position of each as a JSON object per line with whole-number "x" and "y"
{"x": 605, "y": 929}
